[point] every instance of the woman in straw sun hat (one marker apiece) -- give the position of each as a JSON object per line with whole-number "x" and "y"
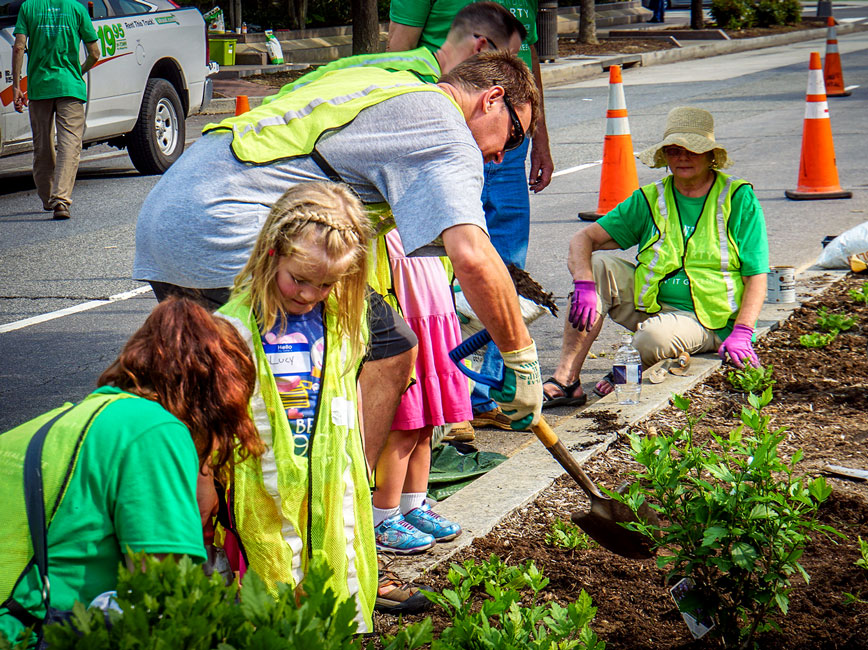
{"x": 699, "y": 279}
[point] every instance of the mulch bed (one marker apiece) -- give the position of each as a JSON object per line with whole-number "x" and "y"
{"x": 821, "y": 396}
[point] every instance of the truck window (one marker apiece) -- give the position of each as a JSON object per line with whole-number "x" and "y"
{"x": 9, "y": 11}
{"x": 99, "y": 8}
{"x": 131, "y": 7}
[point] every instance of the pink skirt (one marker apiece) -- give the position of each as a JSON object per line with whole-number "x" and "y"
{"x": 440, "y": 394}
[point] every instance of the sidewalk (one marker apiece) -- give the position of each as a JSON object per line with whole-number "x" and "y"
{"x": 576, "y": 68}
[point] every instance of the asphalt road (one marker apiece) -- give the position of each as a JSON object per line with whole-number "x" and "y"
{"x": 757, "y": 99}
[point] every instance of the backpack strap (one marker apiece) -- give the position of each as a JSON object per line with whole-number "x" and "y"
{"x": 34, "y": 501}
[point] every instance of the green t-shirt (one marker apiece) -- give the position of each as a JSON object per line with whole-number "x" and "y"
{"x": 435, "y": 18}
{"x": 630, "y": 224}
{"x": 54, "y": 30}
{"x": 134, "y": 485}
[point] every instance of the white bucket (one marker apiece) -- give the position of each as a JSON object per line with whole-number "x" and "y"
{"x": 782, "y": 284}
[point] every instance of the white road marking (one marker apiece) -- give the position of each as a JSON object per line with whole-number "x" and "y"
{"x": 854, "y": 86}
{"x": 578, "y": 168}
{"x": 60, "y": 313}
{"x": 84, "y": 159}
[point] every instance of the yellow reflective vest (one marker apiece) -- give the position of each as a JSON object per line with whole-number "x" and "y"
{"x": 710, "y": 256}
{"x": 292, "y": 123}
{"x": 291, "y": 509}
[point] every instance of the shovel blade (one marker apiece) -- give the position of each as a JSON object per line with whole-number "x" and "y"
{"x": 602, "y": 524}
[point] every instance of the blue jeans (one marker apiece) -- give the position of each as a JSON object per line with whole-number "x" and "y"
{"x": 506, "y": 202}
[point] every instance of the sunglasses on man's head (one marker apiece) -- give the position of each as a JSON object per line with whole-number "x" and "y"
{"x": 516, "y": 135}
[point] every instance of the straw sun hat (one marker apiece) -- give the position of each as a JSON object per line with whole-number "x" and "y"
{"x": 691, "y": 128}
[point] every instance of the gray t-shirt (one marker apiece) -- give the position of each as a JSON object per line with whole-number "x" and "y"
{"x": 199, "y": 223}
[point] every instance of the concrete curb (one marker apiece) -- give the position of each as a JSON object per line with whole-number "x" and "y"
{"x": 480, "y": 506}
{"x": 568, "y": 70}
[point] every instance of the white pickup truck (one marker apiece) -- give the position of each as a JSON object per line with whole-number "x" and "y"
{"x": 152, "y": 73}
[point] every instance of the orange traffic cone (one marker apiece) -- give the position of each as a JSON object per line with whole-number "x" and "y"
{"x": 832, "y": 73}
{"x": 242, "y": 104}
{"x": 818, "y": 174}
{"x": 618, "y": 178}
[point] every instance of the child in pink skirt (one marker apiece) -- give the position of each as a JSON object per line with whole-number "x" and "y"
{"x": 403, "y": 521}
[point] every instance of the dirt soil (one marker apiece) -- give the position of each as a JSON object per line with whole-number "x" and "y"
{"x": 821, "y": 396}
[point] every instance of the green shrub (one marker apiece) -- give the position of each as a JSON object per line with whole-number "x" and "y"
{"x": 172, "y": 604}
{"x": 817, "y": 339}
{"x": 732, "y": 14}
{"x": 792, "y": 12}
{"x": 834, "y": 321}
{"x": 861, "y": 295}
{"x": 750, "y": 379}
{"x": 737, "y": 519}
{"x": 502, "y": 621}
{"x": 564, "y": 534}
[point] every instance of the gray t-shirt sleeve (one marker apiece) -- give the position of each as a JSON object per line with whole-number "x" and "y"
{"x": 423, "y": 161}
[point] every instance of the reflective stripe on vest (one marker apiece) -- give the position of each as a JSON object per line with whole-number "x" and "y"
{"x": 715, "y": 285}
{"x": 420, "y": 61}
{"x": 291, "y": 125}
{"x": 279, "y": 523}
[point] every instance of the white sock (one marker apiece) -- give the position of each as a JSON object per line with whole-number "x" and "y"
{"x": 411, "y": 500}
{"x": 381, "y": 514}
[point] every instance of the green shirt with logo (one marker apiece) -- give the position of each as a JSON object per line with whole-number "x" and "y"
{"x": 435, "y": 18}
{"x": 55, "y": 30}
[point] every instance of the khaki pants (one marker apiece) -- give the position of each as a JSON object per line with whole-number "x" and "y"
{"x": 663, "y": 335}
{"x": 54, "y": 173}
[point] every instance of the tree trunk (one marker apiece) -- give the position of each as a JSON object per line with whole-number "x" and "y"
{"x": 366, "y": 27}
{"x": 696, "y": 18}
{"x": 297, "y": 10}
{"x": 588, "y": 23}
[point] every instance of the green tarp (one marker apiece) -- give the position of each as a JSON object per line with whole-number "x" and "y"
{"x": 451, "y": 469}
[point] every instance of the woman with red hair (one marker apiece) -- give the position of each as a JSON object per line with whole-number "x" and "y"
{"x": 119, "y": 470}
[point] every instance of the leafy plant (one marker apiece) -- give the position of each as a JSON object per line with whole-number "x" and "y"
{"x": 752, "y": 380}
{"x": 172, "y": 604}
{"x": 733, "y": 14}
{"x": 737, "y": 518}
{"x": 862, "y": 563}
{"x": 563, "y": 534}
{"x": 817, "y": 339}
{"x": 861, "y": 295}
{"x": 503, "y": 621}
{"x": 777, "y": 12}
{"x": 834, "y": 321}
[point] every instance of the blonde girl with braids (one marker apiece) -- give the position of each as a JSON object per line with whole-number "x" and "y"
{"x": 300, "y": 303}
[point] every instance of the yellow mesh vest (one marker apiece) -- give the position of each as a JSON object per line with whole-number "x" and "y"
{"x": 279, "y": 523}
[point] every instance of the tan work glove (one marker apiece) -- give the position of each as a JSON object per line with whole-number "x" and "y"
{"x": 521, "y": 396}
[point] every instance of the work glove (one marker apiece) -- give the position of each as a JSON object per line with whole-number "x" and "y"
{"x": 520, "y": 399}
{"x": 583, "y": 311}
{"x": 738, "y": 346}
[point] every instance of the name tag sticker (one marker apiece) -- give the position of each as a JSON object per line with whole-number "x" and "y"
{"x": 343, "y": 413}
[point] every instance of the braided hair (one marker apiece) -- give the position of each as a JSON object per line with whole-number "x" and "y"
{"x": 309, "y": 220}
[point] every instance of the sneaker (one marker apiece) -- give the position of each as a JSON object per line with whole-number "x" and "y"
{"x": 493, "y": 418}
{"x": 396, "y": 535}
{"x": 460, "y": 432}
{"x": 394, "y": 596}
{"x": 428, "y": 521}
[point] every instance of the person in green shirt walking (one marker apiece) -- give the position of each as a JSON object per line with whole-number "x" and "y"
{"x": 699, "y": 280}
{"x": 50, "y": 32}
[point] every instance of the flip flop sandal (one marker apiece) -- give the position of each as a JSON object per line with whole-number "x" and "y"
{"x": 567, "y": 399}
{"x": 609, "y": 378}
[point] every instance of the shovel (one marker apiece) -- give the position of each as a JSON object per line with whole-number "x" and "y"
{"x": 603, "y": 521}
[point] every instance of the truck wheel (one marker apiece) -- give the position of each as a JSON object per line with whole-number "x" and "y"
{"x": 157, "y": 139}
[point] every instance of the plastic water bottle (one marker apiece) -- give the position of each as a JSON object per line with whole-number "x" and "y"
{"x": 627, "y": 371}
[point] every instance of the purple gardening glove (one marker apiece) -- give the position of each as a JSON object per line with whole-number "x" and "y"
{"x": 738, "y": 346}
{"x": 583, "y": 311}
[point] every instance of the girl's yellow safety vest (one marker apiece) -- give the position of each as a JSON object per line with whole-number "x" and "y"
{"x": 291, "y": 509}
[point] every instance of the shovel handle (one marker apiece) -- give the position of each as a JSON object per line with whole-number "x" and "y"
{"x": 468, "y": 347}
{"x": 556, "y": 448}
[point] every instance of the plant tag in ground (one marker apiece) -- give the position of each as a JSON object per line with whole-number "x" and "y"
{"x": 698, "y": 628}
